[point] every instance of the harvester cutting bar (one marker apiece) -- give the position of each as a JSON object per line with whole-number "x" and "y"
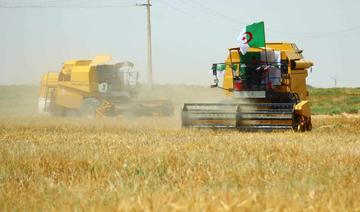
{"x": 209, "y": 115}
{"x": 264, "y": 127}
{"x": 265, "y": 118}
{"x": 243, "y": 116}
{"x": 255, "y": 112}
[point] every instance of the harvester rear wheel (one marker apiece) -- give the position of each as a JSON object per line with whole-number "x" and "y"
{"x": 88, "y": 107}
{"x": 56, "y": 110}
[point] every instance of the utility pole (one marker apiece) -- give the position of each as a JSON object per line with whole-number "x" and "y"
{"x": 335, "y": 81}
{"x": 149, "y": 43}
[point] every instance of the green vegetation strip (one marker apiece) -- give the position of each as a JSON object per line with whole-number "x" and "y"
{"x": 335, "y": 100}
{"x": 22, "y": 99}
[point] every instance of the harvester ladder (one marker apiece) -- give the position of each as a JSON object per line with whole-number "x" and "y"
{"x": 47, "y": 92}
{"x": 50, "y": 91}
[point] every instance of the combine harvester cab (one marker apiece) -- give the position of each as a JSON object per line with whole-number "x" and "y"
{"x": 268, "y": 91}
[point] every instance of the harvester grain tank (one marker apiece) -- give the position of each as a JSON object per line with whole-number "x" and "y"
{"x": 92, "y": 88}
{"x": 267, "y": 87}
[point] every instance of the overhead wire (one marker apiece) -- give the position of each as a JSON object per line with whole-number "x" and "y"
{"x": 62, "y": 4}
{"x": 214, "y": 13}
{"x": 42, "y": 4}
{"x": 234, "y": 21}
{"x": 45, "y": 2}
{"x": 69, "y": 6}
{"x": 177, "y": 9}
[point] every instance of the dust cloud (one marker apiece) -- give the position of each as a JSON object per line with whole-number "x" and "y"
{"x": 22, "y": 101}
{"x": 19, "y": 100}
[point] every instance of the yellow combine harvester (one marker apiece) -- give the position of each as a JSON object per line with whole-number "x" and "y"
{"x": 267, "y": 87}
{"x": 90, "y": 88}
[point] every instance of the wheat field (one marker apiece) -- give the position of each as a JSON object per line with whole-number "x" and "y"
{"x": 154, "y": 165}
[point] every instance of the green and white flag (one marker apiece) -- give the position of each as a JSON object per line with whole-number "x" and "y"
{"x": 252, "y": 36}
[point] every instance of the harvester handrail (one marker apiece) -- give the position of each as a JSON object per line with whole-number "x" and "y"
{"x": 259, "y": 64}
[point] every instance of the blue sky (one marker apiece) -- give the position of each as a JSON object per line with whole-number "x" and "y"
{"x": 188, "y": 36}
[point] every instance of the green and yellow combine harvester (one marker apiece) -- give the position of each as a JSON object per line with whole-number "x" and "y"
{"x": 267, "y": 90}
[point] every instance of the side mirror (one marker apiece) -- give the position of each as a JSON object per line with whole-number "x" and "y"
{"x": 214, "y": 69}
{"x": 234, "y": 67}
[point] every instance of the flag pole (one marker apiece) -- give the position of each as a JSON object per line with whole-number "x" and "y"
{"x": 266, "y": 57}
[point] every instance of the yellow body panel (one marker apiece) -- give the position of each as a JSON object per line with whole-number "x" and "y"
{"x": 303, "y": 108}
{"x": 101, "y": 59}
{"x": 228, "y": 81}
{"x": 298, "y": 83}
{"x": 50, "y": 79}
{"x": 68, "y": 97}
{"x": 83, "y": 78}
{"x": 77, "y": 79}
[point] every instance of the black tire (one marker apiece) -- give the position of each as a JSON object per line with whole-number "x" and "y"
{"x": 57, "y": 111}
{"x": 297, "y": 124}
{"x": 301, "y": 126}
{"x": 309, "y": 126}
{"x": 88, "y": 107}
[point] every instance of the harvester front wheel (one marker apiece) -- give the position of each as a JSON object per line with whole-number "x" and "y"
{"x": 88, "y": 107}
{"x": 302, "y": 124}
{"x": 309, "y": 125}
